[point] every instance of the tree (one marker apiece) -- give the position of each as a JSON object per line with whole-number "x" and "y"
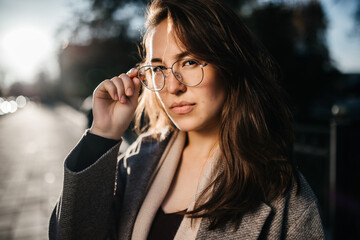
{"x": 295, "y": 36}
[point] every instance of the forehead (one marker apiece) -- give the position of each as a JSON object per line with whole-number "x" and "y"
{"x": 163, "y": 42}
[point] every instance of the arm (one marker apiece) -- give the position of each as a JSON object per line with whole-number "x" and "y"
{"x": 84, "y": 210}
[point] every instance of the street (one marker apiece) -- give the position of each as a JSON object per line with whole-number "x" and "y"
{"x": 33, "y": 144}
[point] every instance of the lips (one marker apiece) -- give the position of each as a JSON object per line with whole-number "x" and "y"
{"x": 182, "y": 107}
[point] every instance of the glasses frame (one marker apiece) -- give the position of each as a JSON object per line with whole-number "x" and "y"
{"x": 176, "y": 75}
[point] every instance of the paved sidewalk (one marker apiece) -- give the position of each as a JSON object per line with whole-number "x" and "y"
{"x": 33, "y": 143}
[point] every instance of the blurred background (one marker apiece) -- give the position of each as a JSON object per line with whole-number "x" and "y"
{"x": 53, "y": 53}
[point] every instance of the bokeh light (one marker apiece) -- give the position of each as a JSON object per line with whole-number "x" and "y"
{"x": 21, "y": 101}
{"x": 5, "y": 107}
{"x": 12, "y": 104}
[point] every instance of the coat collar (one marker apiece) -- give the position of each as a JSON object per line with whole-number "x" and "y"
{"x": 161, "y": 180}
{"x": 138, "y": 167}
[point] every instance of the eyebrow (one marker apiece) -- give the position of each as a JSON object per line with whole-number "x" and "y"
{"x": 177, "y": 57}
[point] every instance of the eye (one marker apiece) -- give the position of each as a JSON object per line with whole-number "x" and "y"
{"x": 190, "y": 62}
{"x": 158, "y": 68}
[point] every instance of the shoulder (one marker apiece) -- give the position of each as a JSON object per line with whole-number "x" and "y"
{"x": 300, "y": 199}
{"x": 301, "y": 194}
{"x": 294, "y": 215}
{"x": 299, "y": 212}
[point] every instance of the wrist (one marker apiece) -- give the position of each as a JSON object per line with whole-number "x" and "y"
{"x": 105, "y": 134}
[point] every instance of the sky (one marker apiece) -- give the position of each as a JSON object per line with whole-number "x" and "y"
{"x": 343, "y": 43}
{"x": 29, "y": 44}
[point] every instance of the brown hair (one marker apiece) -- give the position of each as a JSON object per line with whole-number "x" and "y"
{"x": 256, "y": 134}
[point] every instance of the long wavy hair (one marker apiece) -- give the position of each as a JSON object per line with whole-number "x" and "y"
{"x": 256, "y": 133}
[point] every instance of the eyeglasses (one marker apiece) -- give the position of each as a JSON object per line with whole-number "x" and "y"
{"x": 187, "y": 71}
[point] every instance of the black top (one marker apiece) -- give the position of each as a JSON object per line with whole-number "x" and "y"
{"x": 93, "y": 147}
{"x": 164, "y": 226}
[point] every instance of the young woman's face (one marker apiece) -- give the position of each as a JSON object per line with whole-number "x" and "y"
{"x": 190, "y": 108}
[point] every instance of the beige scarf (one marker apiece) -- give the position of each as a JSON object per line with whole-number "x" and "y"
{"x": 163, "y": 176}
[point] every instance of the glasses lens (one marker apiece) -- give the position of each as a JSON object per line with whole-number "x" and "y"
{"x": 188, "y": 71}
{"x": 151, "y": 77}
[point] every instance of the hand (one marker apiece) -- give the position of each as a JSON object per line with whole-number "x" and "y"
{"x": 114, "y": 105}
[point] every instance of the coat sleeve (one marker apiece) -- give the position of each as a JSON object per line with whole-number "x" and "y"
{"x": 85, "y": 208}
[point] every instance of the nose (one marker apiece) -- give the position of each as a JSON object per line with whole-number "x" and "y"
{"x": 172, "y": 85}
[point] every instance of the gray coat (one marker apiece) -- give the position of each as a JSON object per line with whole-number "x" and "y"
{"x": 90, "y": 208}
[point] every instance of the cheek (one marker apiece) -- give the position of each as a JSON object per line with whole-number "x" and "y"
{"x": 214, "y": 92}
{"x": 162, "y": 97}
{"x": 213, "y": 82}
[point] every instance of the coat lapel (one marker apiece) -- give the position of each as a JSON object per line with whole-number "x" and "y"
{"x": 162, "y": 179}
{"x": 138, "y": 171}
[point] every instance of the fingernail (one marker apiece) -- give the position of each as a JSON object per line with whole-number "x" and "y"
{"x": 116, "y": 96}
{"x": 131, "y": 70}
{"x": 123, "y": 99}
{"x": 129, "y": 92}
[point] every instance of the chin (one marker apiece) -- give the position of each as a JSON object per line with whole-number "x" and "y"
{"x": 187, "y": 126}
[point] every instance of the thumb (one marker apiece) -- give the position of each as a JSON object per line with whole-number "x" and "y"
{"x": 135, "y": 97}
{"x": 137, "y": 84}
{"x": 132, "y": 72}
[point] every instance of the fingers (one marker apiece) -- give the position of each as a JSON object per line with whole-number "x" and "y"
{"x": 132, "y": 73}
{"x": 105, "y": 89}
{"x": 118, "y": 82}
{"x": 126, "y": 85}
{"x": 120, "y": 88}
{"x": 129, "y": 86}
{"x": 137, "y": 84}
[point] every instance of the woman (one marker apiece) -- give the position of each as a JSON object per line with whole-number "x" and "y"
{"x": 215, "y": 160}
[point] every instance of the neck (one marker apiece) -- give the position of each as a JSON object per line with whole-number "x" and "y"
{"x": 203, "y": 143}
